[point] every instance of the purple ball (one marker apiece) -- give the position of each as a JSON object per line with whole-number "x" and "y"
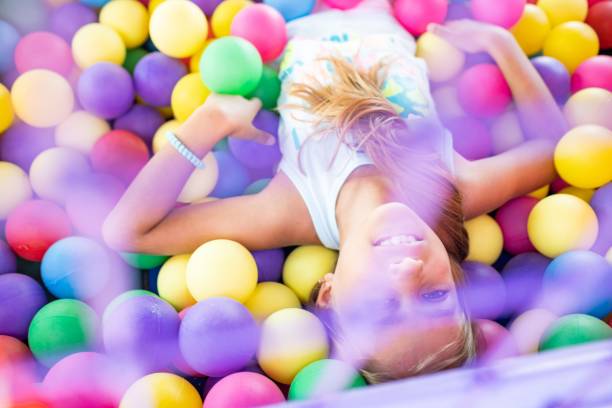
{"x": 269, "y": 264}
{"x": 20, "y": 298}
{"x": 67, "y": 19}
{"x": 218, "y": 336}
{"x": 555, "y": 76}
{"x": 523, "y": 277}
{"x": 22, "y": 143}
{"x": 8, "y": 261}
{"x": 207, "y": 6}
{"x": 458, "y": 11}
{"x": 141, "y": 120}
{"x": 602, "y": 204}
{"x": 471, "y": 137}
{"x": 233, "y": 176}
{"x": 155, "y": 76}
{"x": 484, "y": 291}
{"x": 106, "y": 90}
{"x": 141, "y": 330}
{"x": 257, "y": 155}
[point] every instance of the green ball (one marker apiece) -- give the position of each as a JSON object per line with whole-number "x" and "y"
{"x": 143, "y": 261}
{"x": 574, "y": 329}
{"x": 256, "y": 186}
{"x": 132, "y": 57}
{"x": 61, "y": 328}
{"x": 324, "y": 377}
{"x": 222, "y": 145}
{"x": 231, "y": 65}
{"x": 269, "y": 88}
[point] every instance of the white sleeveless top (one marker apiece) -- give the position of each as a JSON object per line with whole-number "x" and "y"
{"x": 319, "y": 180}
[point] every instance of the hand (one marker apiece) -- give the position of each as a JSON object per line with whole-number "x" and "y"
{"x": 469, "y": 35}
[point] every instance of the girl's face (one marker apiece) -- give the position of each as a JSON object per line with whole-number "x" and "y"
{"x": 393, "y": 291}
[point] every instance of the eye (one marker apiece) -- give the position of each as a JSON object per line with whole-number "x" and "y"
{"x": 435, "y": 296}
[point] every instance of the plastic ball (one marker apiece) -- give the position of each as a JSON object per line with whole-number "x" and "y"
{"x": 233, "y": 176}
{"x": 132, "y": 57}
{"x": 444, "y": 61}
{"x": 201, "y": 182}
{"x": 16, "y": 364}
{"x": 561, "y": 223}
{"x": 486, "y": 239}
{"x": 560, "y": 11}
{"x": 14, "y": 188}
{"x": 25, "y": 15}
{"x": 172, "y": 282}
{"x": 583, "y": 156}
{"x": 161, "y": 390}
{"x": 574, "y": 329}
{"x": 194, "y": 60}
{"x": 268, "y": 89}
{"x": 264, "y": 27}
{"x": 155, "y": 77}
{"x": 532, "y": 29}
{"x": 43, "y": 50}
{"x": 106, "y": 90}
{"x": 35, "y": 225}
{"x": 61, "y": 328}
{"x": 141, "y": 120}
{"x": 159, "y": 140}
{"x": 342, "y": 4}
{"x": 6, "y": 109}
{"x": 178, "y": 28}
{"x": 471, "y": 138}
{"x": 42, "y": 98}
{"x": 504, "y": 13}
{"x": 80, "y": 131}
{"x": 257, "y": 186}
{"x": 231, "y": 65}
{"x": 189, "y": 94}
{"x": 590, "y": 106}
{"x": 601, "y": 202}
{"x": 269, "y": 264}
{"x": 20, "y": 298}
{"x": 270, "y": 297}
{"x": 323, "y": 378}
{"x": 291, "y": 9}
{"x": 143, "y": 261}
{"x": 582, "y": 193}
{"x": 523, "y": 276}
{"x": 512, "y": 219}
{"x": 555, "y": 76}
{"x": 257, "y": 155}
{"x": 95, "y": 43}
{"x": 290, "y": 340}
{"x": 243, "y": 390}
{"x": 142, "y": 331}
{"x": 8, "y": 261}
{"x": 528, "y": 329}
{"x": 207, "y": 6}
{"x": 494, "y": 342}
{"x": 129, "y": 18}
{"x": 483, "y": 91}
{"x": 506, "y": 132}
{"x": 447, "y": 103}
{"x": 221, "y": 268}
{"x": 305, "y": 266}
{"x": 415, "y": 15}
{"x": 599, "y": 18}
{"x": 119, "y": 153}
{"x": 95, "y": 3}
{"x": 9, "y": 37}
{"x": 483, "y": 291}
{"x": 223, "y": 16}
{"x": 595, "y": 72}
{"x": 67, "y": 19}
{"x": 22, "y": 143}
{"x": 572, "y": 43}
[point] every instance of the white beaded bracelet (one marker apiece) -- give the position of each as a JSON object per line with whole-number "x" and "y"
{"x": 184, "y": 150}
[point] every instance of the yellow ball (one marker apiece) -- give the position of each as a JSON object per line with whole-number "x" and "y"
{"x": 153, "y": 5}
{"x": 14, "y": 187}
{"x": 305, "y": 266}
{"x": 201, "y": 182}
{"x": 591, "y": 106}
{"x": 443, "y": 60}
{"x": 532, "y": 29}
{"x": 290, "y": 340}
{"x": 172, "y": 282}
{"x": 161, "y": 390}
{"x": 80, "y": 131}
{"x": 95, "y": 43}
{"x": 486, "y": 239}
{"x": 189, "y": 93}
{"x": 42, "y": 98}
{"x": 159, "y": 139}
{"x": 572, "y": 43}
{"x": 129, "y": 18}
{"x": 270, "y": 297}
{"x": 584, "y": 194}
{"x": 562, "y": 223}
{"x": 560, "y": 11}
{"x": 194, "y": 61}
{"x": 528, "y": 329}
{"x": 221, "y": 268}
{"x": 221, "y": 21}
{"x": 178, "y": 28}
{"x": 6, "y": 109}
{"x": 540, "y": 193}
{"x": 583, "y": 156}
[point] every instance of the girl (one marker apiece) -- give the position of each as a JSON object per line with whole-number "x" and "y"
{"x": 367, "y": 169}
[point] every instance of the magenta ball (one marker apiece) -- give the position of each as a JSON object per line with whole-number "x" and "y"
{"x": 596, "y": 72}
{"x": 244, "y": 390}
{"x": 20, "y": 298}
{"x": 264, "y": 27}
{"x": 218, "y": 336}
{"x": 106, "y": 90}
{"x": 257, "y": 155}
{"x": 342, "y": 4}
{"x": 504, "y": 13}
{"x": 512, "y": 218}
{"x": 471, "y": 137}
{"x": 415, "y": 15}
{"x": 555, "y": 76}
{"x": 67, "y": 19}
{"x": 155, "y": 76}
{"x": 483, "y": 91}
{"x": 494, "y": 341}
{"x": 141, "y": 120}
{"x": 43, "y": 50}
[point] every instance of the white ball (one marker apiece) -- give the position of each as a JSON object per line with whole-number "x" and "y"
{"x": 14, "y": 187}
{"x": 201, "y": 182}
{"x": 529, "y": 328}
{"x": 80, "y": 131}
{"x": 447, "y": 102}
{"x": 506, "y": 132}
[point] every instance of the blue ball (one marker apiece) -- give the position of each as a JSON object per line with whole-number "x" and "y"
{"x": 76, "y": 268}
{"x": 9, "y": 37}
{"x": 94, "y": 3}
{"x": 292, "y": 9}
{"x": 233, "y": 176}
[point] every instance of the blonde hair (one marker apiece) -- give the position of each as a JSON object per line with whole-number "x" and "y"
{"x": 353, "y": 107}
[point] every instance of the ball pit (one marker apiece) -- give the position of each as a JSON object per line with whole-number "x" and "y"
{"x": 161, "y": 390}
{"x": 21, "y": 297}
{"x": 324, "y": 377}
{"x": 243, "y": 390}
{"x": 178, "y": 28}
{"x": 589, "y": 107}
{"x": 106, "y": 90}
{"x": 95, "y": 43}
{"x": 262, "y": 26}
{"x": 595, "y": 72}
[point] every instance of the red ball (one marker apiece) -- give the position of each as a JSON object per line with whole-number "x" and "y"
{"x": 264, "y": 27}
{"x": 471, "y": 138}
{"x": 600, "y": 18}
{"x": 415, "y": 15}
{"x": 512, "y": 219}
{"x": 121, "y": 154}
{"x": 494, "y": 341}
{"x": 558, "y": 184}
{"x": 483, "y": 91}
{"x": 242, "y": 390}
{"x": 34, "y": 226}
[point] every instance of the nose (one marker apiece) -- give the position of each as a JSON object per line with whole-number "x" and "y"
{"x": 405, "y": 272}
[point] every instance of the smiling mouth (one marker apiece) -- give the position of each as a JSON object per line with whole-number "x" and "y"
{"x": 396, "y": 240}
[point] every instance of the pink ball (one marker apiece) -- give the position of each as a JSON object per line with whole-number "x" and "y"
{"x": 504, "y": 13}
{"x": 596, "y": 72}
{"x": 342, "y": 4}
{"x": 494, "y": 341}
{"x": 483, "y": 91}
{"x": 121, "y": 154}
{"x": 415, "y": 15}
{"x": 512, "y": 219}
{"x": 43, "y": 50}
{"x": 264, "y": 27}
{"x": 243, "y": 390}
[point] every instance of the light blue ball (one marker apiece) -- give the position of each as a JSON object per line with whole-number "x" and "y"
{"x": 9, "y": 37}
{"x": 292, "y": 9}
{"x": 76, "y": 268}
{"x": 256, "y": 186}
{"x": 233, "y": 176}
{"x": 94, "y": 3}
{"x": 25, "y": 15}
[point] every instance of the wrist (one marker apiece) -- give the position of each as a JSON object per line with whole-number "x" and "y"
{"x": 499, "y": 41}
{"x": 204, "y": 125}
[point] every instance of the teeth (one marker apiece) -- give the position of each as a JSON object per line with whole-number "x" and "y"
{"x": 398, "y": 240}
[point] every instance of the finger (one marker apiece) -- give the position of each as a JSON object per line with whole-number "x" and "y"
{"x": 256, "y": 102}
{"x": 256, "y": 135}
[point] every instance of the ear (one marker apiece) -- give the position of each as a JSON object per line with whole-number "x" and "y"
{"x": 325, "y": 293}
